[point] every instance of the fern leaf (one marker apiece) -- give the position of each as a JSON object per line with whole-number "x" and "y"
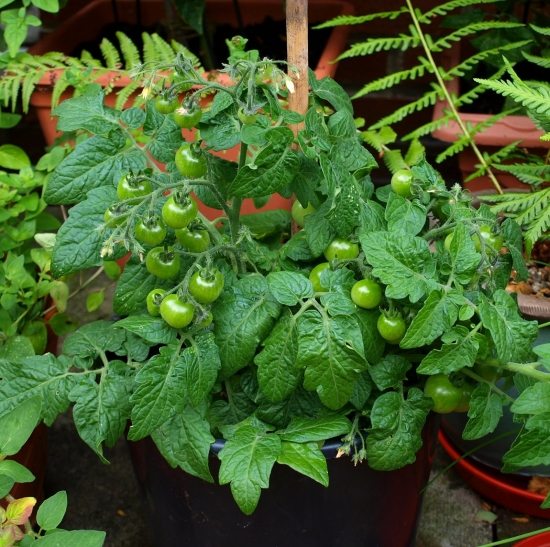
{"x": 379, "y": 139}
{"x": 415, "y": 152}
{"x": 150, "y": 53}
{"x": 473, "y": 28}
{"x": 428, "y": 99}
{"x": 125, "y": 93}
{"x": 29, "y": 83}
{"x": 89, "y": 60}
{"x": 166, "y": 52}
{"x": 341, "y": 20}
{"x": 545, "y": 31}
{"x": 427, "y": 128}
{"x": 543, "y": 62}
{"x": 14, "y": 93}
{"x": 180, "y": 48}
{"x": 130, "y": 52}
{"x": 444, "y": 9}
{"x": 454, "y": 148}
{"x": 60, "y": 86}
{"x": 535, "y": 99}
{"x": 110, "y": 54}
{"x": 528, "y": 173}
{"x": 374, "y": 45}
{"x": 391, "y": 80}
{"x": 394, "y": 160}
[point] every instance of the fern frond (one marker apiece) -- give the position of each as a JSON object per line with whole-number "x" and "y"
{"x": 391, "y": 80}
{"x": 545, "y": 31}
{"x": 468, "y": 64}
{"x": 492, "y": 159}
{"x": 360, "y": 19}
{"x": 415, "y": 152}
{"x": 444, "y": 9}
{"x": 374, "y": 45}
{"x": 14, "y": 93}
{"x": 473, "y": 28}
{"x": 528, "y": 173}
{"x": 125, "y": 93}
{"x": 190, "y": 56}
{"x": 110, "y": 54}
{"x": 394, "y": 160}
{"x": 130, "y": 52}
{"x": 454, "y": 148}
{"x": 536, "y": 99}
{"x": 543, "y": 62}
{"x": 379, "y": 139}
{"x": 167, "y": 54}
{"x": 428, "y": 99}
{"x": 29, "y": 83}
{"x": 60, "y": 86}
{"x": 540, "y": 225}
{"x": 150, "y": 53}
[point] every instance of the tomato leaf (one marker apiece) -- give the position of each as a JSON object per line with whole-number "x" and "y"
{"x": 484, "y": 413}
{"x": 306, "y": 458}
{"x": 289, "y": 288}
{"x": 404, "y": 215}
{"x": 184, "y": 440}
{"x": 278, "y": 375}
{"x": 102, "y": 407}
{"x": 247, "y": 459}
{"x": 304, "y": 430}
{"x": 397, "y": 424}
{"x": 244, "y": 317}
{"x": 202, "y": 369}
{"x": 152, "y": 329}
{"x": 512, "y": 335}
{"x": 402, "y": 262}
{"x": 390, "y": 371}
{"x": 531, "y": 448}
{"x": 331, "y": 352}
{"x": 18, "y": 425}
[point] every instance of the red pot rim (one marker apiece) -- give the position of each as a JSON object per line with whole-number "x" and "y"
{"x": 505, "y": 490}
{"x": 540, "y": 540}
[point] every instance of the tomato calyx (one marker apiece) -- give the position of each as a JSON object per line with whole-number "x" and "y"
{"x": 153, "y": 301}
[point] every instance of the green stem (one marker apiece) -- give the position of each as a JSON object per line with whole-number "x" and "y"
{"x": 449, "y": 100}
{"x": 234, "y": 220}
{"x": 515, "y": 538}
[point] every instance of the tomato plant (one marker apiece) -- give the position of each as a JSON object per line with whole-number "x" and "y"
{"x": 267, "y": 331}
{"x": 176, "y": 312}
{"x": 246, "y": 118}
{"x": 488, "y": 237}
{"x": 162, "y": 262}
{"x": 190, "y": 161}
{"x": 179, "y": 210}
{"x": 206, "y": 286}
{"x": 366, "y": 293}
{"x": 166, "y": 105}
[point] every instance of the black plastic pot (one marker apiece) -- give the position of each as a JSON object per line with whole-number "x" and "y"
{"x": 361, "y": 507}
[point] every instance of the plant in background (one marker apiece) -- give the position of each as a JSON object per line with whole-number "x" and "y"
{"x": 494, "y": 35}
{"x": 15, "y": 514}
{"x": 384, "y": 306}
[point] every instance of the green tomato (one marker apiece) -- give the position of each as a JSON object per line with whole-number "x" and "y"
{"x": 150, "y": 231}
{"x": 391, "y": 328}
{"x": 466, "y": 394}
{"x": 187, "y": 117}
{"x": 315, "y": 276}
{"x": 165, "y": 105}
{"x": 131, "y": 187}
{"x": 179, "y": 211}
{"x": 448, "y": 241}
{"x": 401, "y": 182}
{"x": 115, "y": 215}
{"x": 205, "y": 321}
{"x": 190, "y": 163}
{"x": 445, "y": 395}
{"x": 490, "y": 239}
{"x": 195, "y": 241}
{"x": 341, "y": 249}
{"x": 162, "y": 262}
{"x": 153, "y": 301}
{"x": 175, "y": 312}
{"x": 206, "y": 286}
{"x": 245, "y": 117}
{"x": 366, "y": 294}
{"x": 299, "y": 212}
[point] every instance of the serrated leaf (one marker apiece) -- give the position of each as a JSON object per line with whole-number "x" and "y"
{"x": 402, "y": 262}
{"x": 278, "y": 375}
{"x": 451, "y": 357}
{"x": 330, "y": 349}
{"x": 404, "y": 215}
{"x": 79, "y": 240}
{"x": 289, "y": 288}
{"x": 185, "y": 441}
{"x": 305, "y": 430}
{"x": 531, "y": 448}
{"x": 396, "y": 434}
{"x": 151, "y": 329}
{"x": 484, "y": 413}
{"x": 533, "y": 400}
{"x": 438, "y": 314}
{"x": 244, "y": 317}
{"x": 246, "y": 462}
{"x": 306, "y": 459}
{"x": 390, "y": 371}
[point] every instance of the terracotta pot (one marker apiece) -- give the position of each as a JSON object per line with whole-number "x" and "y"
{"x": 505, "y": 131}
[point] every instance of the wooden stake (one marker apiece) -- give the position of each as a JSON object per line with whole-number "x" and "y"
{"x": 297, "y": 55}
